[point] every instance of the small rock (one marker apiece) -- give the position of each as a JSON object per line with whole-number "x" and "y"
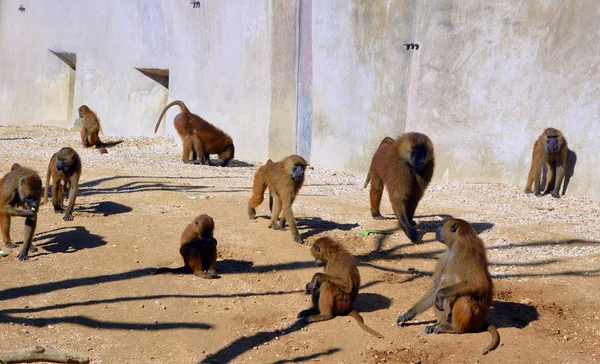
{"x": 527, "y": 301}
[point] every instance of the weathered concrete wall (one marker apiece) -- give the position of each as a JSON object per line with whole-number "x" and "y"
{"x": 327, "y": 79}
{"x": 491, "y": 76}
{"x": 359, "y": 86}
{"x": 231, "y": 62}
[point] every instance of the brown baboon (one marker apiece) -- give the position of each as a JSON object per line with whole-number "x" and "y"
{"x": 405, "y": 168}
{"x": 284, "y": 180}
{"x": 462, "y": 289}
{"x": 200, "y": 138}
{"x": 21, "y": 187}
{"x": 91, "y": 128}
{"x": 65, "y": 169}
{"x": 550, "y": 149}
{"x": 335, "y": 290}
{"x": 198, "y": 248}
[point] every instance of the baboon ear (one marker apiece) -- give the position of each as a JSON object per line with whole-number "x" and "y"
{"x": 317, "y": 248}
{"x": 454, "y": 227}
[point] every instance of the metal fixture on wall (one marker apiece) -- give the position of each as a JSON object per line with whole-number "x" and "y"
{"x": 411, "y": 46}
{"x": 195, "y": 3}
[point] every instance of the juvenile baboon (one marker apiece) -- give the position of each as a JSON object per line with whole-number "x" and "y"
{"x": 91, "y": 128}
{"x": 65, "y": 169}
{"x": 20, "y": 194}
{"x": 284, "y": 180}
{"x": 200, "y": 138}
{"x": 405, "y": 168}
{"x": 550, "y": 149}
{"x": 335, "y": 290}
{"x": 462, "y": 289}
{"x": 198, "y": 248}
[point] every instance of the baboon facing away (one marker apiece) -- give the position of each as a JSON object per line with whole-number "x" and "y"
{"x": 405, "y": 168}
{"x": 551, "y": 150}
{"x": 200, "y": 138}
{"x": 462, "y": 290}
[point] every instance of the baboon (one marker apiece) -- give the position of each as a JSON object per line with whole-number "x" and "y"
{"x": 198, "y": 248}
{"x": 462, "y": 289}
{"x": 20, "y": 195}
{"x": 91, "y": 128}
{"x": 551, "y": 149}
{"x": 335, "y": 290}
{"x": 284, "y": 180}
{"x": 405, "y": 168}
{"x": 65, "y": 169}
{"x": 200, "y": 138}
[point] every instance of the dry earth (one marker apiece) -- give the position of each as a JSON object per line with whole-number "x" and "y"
{"x": 88, "y": 288}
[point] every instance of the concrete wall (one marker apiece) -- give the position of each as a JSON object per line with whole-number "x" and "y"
{"x": 491, "y": 76}
{"x": 326, "y": 79}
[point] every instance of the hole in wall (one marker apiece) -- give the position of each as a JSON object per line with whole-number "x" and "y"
{"x": 159, "y": 75}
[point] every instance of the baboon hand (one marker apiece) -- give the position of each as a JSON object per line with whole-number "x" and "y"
{"x": 310, "y": 287}
{"x": 403, "y": 318}
{"x": 439, "y": 300}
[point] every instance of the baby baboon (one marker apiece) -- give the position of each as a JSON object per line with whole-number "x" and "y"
{"x": 90, "y": 130}
{"x": 198, "y": 249}
{"x": 335, "y": 290}
{"x": 21, "y": 187}
{"x": 462, "y": 289}
{"x": 65, "y": 169}
{"x": 550, "y": 149}
{"x": 284, "y": 180}
{"x": 405, "y": 168}
{"x": 200, "y": 138}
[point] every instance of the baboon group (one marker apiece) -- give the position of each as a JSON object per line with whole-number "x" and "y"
{"x": 462, "y": 289}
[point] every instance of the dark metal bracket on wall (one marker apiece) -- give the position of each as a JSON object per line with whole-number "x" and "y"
{"x": 195, "y": 4}
{"x": 414, "y": 46}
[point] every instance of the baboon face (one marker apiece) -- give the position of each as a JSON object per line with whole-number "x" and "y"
{"x": 296, "y": 165}
{"x": 30, "y": 189}
{"x": 298, "y": 172}
{"x": 318, "y": 254}
{"x": 552, "y": 144}
{"x": 65, "y": 159}
{"x": 452, "y": 229}
{"x": 82, "y": 110}
{"x": 418, "y": 156}
{"x": 204, "y": 226}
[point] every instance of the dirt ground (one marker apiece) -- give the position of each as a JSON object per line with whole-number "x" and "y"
{"x": 88, "y": 289}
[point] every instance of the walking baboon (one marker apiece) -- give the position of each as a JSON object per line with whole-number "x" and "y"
{"x": 549, "y": 149}
{"x": 405, "y": 168}
{"x": 284, "y": 180}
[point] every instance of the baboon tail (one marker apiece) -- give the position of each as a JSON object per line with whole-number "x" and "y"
{"x": 367, "y": 179}
{"x": 178, "y": 103}
{"x": 495, "y": 340}
{"x": 48, "y": 182}
{"x": 361, "y": 323}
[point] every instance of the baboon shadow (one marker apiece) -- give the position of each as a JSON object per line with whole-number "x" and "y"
{"x": 68, "y": 240}
{"x": 432, "y": 225}
{"x": 569, "y": 172}
{"x": 371, "y": 302}
{"x": 316, "y": 225}
{"x": 227, "y": 266}
{"x": 511, "y": 314}
{"x": 234, "y": 163}
{"x": 104, "y": 208}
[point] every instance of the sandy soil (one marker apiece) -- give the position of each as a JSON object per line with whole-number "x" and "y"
{"x": 88, "y": 288}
